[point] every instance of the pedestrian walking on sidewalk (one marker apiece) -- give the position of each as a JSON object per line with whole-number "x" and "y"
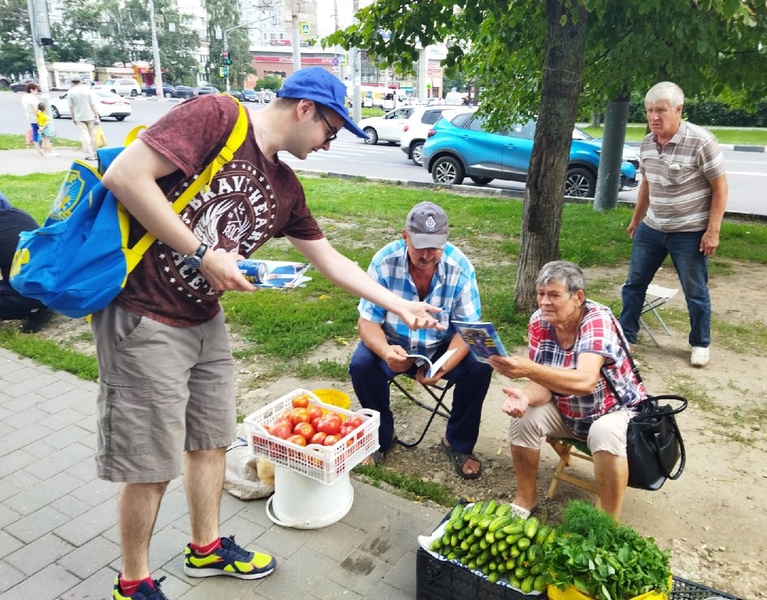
{"x": 85, "y": 115}
{"x": 29, "y": 102}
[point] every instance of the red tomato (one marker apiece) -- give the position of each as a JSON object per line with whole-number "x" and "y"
{"x": 304, "y": 429}
{"x": 345, "y": 430}
{"x": 315, "y": 422}
{"x": 354, "y": 421}
{"x": 297, "y": 439}
{"x": 283, "y": 418}
{"x": 300, "y": 401}
{"x": 315, "y": 412}
{"x": 299, "y": 415}
{"x": 318, "y": 438}
{"x": 331, "y": 440}
{"x": 329, "y": 424}
{"x": 281, "y": 430}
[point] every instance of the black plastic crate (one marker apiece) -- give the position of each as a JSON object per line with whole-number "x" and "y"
{"x": 689, "y": 590}
{"x": 442, "y": 580}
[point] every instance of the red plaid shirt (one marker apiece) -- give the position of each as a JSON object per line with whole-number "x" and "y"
{"x": 598, "y": 334}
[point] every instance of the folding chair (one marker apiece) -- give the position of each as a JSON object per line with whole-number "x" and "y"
{"x": 568, "y": 448}
{"x": 438, "y": 391}
{"x": 656, "y": 297}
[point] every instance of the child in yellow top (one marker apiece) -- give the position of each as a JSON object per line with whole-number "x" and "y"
{"x": 46, "y": 130}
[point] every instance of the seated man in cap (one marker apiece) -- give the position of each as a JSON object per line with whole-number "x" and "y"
{"x": 167, "y": 395}
{"x": 12, "y": 304}
{"x": 424, "y": 266}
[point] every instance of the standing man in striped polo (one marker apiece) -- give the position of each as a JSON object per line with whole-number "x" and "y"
{"x": 679, "y": 211}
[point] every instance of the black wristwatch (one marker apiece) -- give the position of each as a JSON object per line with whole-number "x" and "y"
{"x": 194, "y": 261}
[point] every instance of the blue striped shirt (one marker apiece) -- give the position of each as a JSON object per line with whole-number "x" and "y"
{"x": 453, "y": 289}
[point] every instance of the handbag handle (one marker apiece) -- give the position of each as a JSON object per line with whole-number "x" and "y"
{"x": 668, "y": 412}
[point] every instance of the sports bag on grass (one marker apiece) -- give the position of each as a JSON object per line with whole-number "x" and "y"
{"x": 79, "y": 260}
{"x": 654, "y": 443}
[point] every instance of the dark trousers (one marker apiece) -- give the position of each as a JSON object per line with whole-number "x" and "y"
{"x": 13, "y": 305}
{"x": 371, "y": 378}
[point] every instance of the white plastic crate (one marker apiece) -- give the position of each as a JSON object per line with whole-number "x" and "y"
{"x": 323, "y": 463}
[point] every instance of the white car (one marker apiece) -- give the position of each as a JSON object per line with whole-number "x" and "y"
{"x": 415, "y": 129}
{"x": 109, "y": 105}
{"x": 122, "y": 87}
{"x": 387, "y": 128}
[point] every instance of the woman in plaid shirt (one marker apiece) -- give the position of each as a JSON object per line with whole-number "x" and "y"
{"x": 574, "y": 344}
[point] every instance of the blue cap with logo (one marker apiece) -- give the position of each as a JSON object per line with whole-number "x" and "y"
{"x": 318, "y": 85}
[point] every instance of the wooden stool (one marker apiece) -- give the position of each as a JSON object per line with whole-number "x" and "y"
{"x": 568, "y": 448}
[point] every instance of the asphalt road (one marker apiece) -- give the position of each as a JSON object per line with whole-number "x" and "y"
{"x": 746, "y": 172}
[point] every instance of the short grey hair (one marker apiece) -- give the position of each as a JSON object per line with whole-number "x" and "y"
{"x": 665, "y": 90}
{"x": 562, "y": 271}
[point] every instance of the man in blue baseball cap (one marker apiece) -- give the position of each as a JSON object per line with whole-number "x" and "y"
{"x": 316, "y": 84}
{"x": 166, "y": 404}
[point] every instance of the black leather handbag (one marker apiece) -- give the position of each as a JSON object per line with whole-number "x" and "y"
{"x": 654, "y": 443}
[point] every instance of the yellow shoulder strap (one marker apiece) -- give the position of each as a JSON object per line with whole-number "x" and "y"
{"x": 133, "y": 134}
{"x": 236, "y": 138}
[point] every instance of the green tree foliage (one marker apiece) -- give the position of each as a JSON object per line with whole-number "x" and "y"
{"x": 17, "y": 58}
{"x": 269, "y": 82}
{"x": 514, "y": 49}
{"x": 223, "y": 15}
{"x": 102, "y": 32}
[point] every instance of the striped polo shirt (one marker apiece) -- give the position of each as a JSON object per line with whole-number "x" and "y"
{"x": 680, "y": 193}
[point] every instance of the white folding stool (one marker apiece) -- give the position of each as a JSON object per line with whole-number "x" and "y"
{"x": 656, "y": 297}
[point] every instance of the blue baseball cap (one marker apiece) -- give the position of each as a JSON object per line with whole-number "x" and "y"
{"x": 317, "y": 84}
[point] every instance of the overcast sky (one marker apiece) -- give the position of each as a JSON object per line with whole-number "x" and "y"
{"x": 326, "y": 17}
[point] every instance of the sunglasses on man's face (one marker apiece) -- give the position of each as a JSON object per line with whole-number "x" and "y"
{"x": 333, "y": 131}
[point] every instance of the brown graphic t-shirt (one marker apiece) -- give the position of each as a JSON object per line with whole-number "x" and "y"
{"x": 250, "y": 200}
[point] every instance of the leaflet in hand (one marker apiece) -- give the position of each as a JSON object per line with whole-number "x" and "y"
{"x": 433, "y": 367}
{"x": 482, "y": 339}
{"x": 274, "y": 273}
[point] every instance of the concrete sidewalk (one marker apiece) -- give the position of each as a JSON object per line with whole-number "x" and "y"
{"x": 58, "y": 522}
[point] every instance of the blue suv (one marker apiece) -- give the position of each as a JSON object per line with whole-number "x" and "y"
{"x": 458, "y": 146}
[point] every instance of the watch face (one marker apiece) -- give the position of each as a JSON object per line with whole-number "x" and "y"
{"x": 193, "y": 261}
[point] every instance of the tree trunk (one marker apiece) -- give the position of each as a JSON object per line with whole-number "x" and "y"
{"x": 545, "y": 189}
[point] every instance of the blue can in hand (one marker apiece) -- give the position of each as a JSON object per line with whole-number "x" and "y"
{"x": 254, "y": 271}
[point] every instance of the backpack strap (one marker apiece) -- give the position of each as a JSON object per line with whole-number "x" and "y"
{"x": 236, "y": 138}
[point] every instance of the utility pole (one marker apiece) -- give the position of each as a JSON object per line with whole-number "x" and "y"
{"x": 227, "y": 58}
{"x": 159, "y": 90}
{"x": 41, "y": 36}
{"x": 354, "y": 55}
{"x": 296, "y": 43}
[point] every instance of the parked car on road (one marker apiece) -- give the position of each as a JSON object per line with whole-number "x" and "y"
{"x": 151, "y": 90}
{"x": 122, "y": 87}
{"x": 109, "y": 105}
{"x": 207, "y": 89}
{"x": 185, "y": 91}
{"x": 250, "y": 95}
{"x": 460, "y": 146}
{"x": 415, "y": 129}
{"x": 630, "y": 155}
{"x": 21, "y": 86}
{"x": 237, "y": 94}
{"x": 387, "y": 128}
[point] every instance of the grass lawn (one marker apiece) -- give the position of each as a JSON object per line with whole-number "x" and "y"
{"x": 726, "y": 135}
{"x": 359, "y": 218}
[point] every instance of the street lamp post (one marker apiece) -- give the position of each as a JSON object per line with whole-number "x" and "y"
{"x": 226, "y": 48}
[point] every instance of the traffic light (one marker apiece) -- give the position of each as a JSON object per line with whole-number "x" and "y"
{"x": 227, "y": 61}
